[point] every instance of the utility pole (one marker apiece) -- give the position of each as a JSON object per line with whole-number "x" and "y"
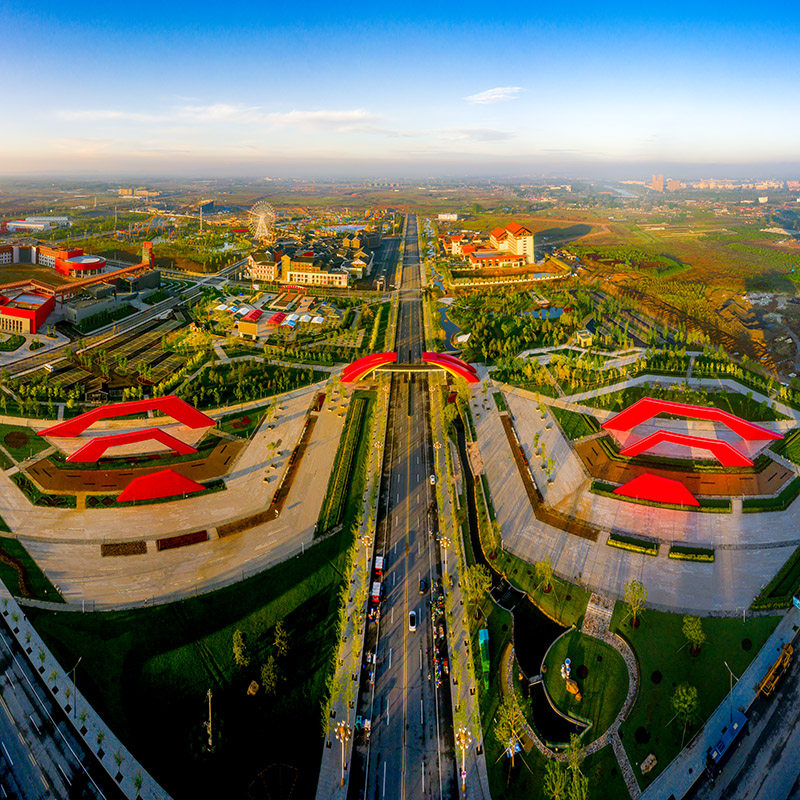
{"x": 343, "y": 736}
{"x": 366, "y": 540}
{"x": 445, "y": 545}
{"x": 463, "y": 740}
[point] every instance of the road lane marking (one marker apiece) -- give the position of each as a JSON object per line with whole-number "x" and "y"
{"x": 5, "y": 750}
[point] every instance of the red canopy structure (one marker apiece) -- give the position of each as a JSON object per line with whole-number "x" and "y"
{"x": 648, "y": 407}
{"x": 95, "y": 448}
{"x": 455, "y": 366}
{"x": 725, "y": 453}
{"x": 170, "y": 405}
{"x": 164, "y": 483}
{"x": 360, "y": 368}
{"x": 657, "y": 490}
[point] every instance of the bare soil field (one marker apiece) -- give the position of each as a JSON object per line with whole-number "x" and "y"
{"x": 9, "y": 273}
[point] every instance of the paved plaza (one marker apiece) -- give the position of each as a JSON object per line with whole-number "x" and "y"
{"x": 750, "y": 548}
{"x": 66, "y": 544}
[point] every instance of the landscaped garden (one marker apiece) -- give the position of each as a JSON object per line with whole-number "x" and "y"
{"x": 243, "y": 381}
{"x": 666, "y": 661}
{"x": 21, "y": 442}
{"x": 21, "y": 574}
{"x": 148, "y": 671}
{"x": 575, "y": 425}
{"x": 600, "y": 673}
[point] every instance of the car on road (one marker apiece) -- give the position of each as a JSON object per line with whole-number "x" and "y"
{"x": 422, "y": 586}
{"x": 433, "y": 480}
{"x": 412, "y": 620}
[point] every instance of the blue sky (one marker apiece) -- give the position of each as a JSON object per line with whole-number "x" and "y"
{"x": 192, "y": 87}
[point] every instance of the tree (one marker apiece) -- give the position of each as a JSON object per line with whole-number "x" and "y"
{"x": 556, "y": 780}
{"x": 479, "y": 581}
{"x": 239, "y": 649}
{"x": 684, "y": 703}
{"x": 506, "y": 726}
{"x": 269, "y": 676}
{"x": 281, "y": 639}
{"x": 543, "y": 571}
{"x": 635, "y": 596}
{"x": 693, "y": 631}
{"x": 579, "y": 787}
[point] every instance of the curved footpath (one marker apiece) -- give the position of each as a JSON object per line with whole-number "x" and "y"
{"x": 595, "y": 623}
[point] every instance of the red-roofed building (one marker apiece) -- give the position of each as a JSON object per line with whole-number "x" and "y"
{"x": 494, "y": 258}
{"x": 515, "y": 239}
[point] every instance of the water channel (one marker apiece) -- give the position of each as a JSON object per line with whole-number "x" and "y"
{"x": 534, "y": 631}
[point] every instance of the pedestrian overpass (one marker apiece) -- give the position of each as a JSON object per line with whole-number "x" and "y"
{"x": 387, "y": 362}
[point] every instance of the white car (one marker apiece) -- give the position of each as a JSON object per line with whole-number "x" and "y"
{"x": 412, "y": 620}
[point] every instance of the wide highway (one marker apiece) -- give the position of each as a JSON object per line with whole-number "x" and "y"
{"x": 410, "y": 752}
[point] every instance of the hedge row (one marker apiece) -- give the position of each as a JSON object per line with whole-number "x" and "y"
{"x": 500, "y": 401}
{"x": 783, "y": 500}
{"x": 339, "y": 482}
{"x": 686, "y": 464}
{"x": 712, "y": 505}
{"x": 633, "y": 543}
{"x": 779, "y": 591}
{"x": 687, "y": 553}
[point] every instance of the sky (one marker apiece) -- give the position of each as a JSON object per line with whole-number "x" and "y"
{"x": 366, "y": 89}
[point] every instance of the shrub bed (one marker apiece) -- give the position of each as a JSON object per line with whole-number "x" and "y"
{"x": 633, "y": 543}
{"x": 779, "y": 591}
{"x": 713, "y": 505}
{"x": 135, "y": 548}
{"x": 500, "y": 401}
{"x": 687, "y": 553}
{"x": 575, "y": 425}
{"x": 12, "y": 343}
{"x": 753, "y": 505}
{"x": 39, "y": 498}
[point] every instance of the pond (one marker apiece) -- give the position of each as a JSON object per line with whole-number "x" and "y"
{"x": 544, "y": 313}
{"x": 450, "y": 328}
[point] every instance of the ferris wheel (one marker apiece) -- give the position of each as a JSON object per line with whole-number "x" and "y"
{"x": 261, "y": 221}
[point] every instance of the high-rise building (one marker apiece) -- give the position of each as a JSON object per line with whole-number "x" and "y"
{"x": 673, "y": 185}
{"x": 658, "y": 183}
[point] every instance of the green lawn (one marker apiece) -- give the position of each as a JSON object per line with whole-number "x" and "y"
{"x": 21, "y": 442}
{"x": 39, "y": 586}
{"x": 242, "y": 424}
{"x": 575, "y": 425}
{"x": 733, "y": 402}
{"x": 665, "y": 661}
{"x": 604, "y": 688}
{"x": 566, "y": 603}
{"x": 148, "y": 670}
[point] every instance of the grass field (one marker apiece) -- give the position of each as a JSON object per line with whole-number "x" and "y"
{"x": 148, "y": 670}
{"x": 21, "y": 442}
{"x": 665, "y": 661}
{"x": 574, "y": 425}
{"x": 603, "y": 688}
{"x": 39, "y": 586}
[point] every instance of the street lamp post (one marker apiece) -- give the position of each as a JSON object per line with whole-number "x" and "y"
{"x": 730, "y": 693}
{"x": 445, "y": 545}
{"x": 343, "y": 736}
{"x": 75, "y": 687}
{"x": 463, "y": 740}
{"x": 366, "y": 540}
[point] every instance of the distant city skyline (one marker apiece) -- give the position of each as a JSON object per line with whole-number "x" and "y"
{"x": 197, "y": 88}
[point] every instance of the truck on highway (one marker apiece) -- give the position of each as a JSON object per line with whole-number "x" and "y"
{"x": 377, "y": 592}
{"x": 378, "y": 566}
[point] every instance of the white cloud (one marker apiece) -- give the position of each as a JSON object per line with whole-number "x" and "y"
{"x": 220, "y": 112}
{"x": 107, "y": 113}
{"x": 342, "y": 120}
{"x": 474, "y": 135}
{"x": 497, "y": 95}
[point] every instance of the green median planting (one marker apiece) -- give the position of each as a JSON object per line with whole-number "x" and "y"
{"x": 688, "y": 553}
{"x": 633, "y": 543}
{"x": 752, "y": 505}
